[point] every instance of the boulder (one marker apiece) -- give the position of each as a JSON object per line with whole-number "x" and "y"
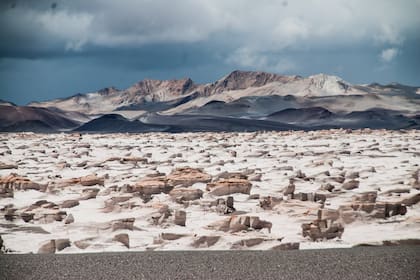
{"x": 123, "y": 238}
{"x": 89, "y": 193}
{"x": 152, "y": 185}
{"x": 69, "y": 203}
{"x": 229, "y": 186}
{"x": 289, "y": 190}
{"x": 380, "y": 210}
{"x": 7, "y": 166}
{"x": 224, "y": 207}
{"x": 231, "y": 175}
{"x": 27, "y": 216}
{"x": 287, "y": 246}
{"x": 255, "y": 177}
{"x": 16, "y": 182}
{"x": 82, "y": 244}
{"x": 185, "y": 194}
{"x": 120, "y": 224}
{"x": 352, "y": 175}
{"x": 180, "y": 217}
{"x": 6, "y": 191}
{"x": 239, "y": 223}
{"x": 61, "y": 244}
{"x": 91, "y": 180}
{"x": 247, "y": 243}
{"x": 69, "y": 219}
{"x": 171, "y": 236}
{"x": 350, "y": 185}
{"x": 322, "y": 229}
{"x": 187, "y": 176}
{"x": 47, "y": 248}
{"x": 328, "y": 214}
{"x": 205, "y": 241}
{"x": 369, "y": 197}
{"x": 412, "y": 200}
{"x": 162, "y": 213}
{"x": 268, "y": 202}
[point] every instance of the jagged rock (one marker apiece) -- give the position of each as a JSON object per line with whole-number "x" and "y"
{"x": 47, "y": 248}
{"x": 268, "y": 202}
{"x": 27, "y": 216}
{"x": 69, "y": 219}
{"x": 161, "y": 215}
{"x": 347, "y": 214}
{"x": 247, "y": 243}
{"x": 180, "y": 217}
{"x": 229, "y": 186}
{"x": 10, "y": 214}
{"x": 115, "y": 202}
{"x": 328, "y": 214}
{"x": 91, "y": 180}
{"x": 1, "y": 245}
{"x": 322, "y": 229}
{"x": 224, "y": 207}
{"x": 61, "y": 244}
{"x": 187, "y": 176}
{"x": 352, "y": 175}
{"x": 254, "y": 196}
{"x": 369, "y": 197}
{"x": 238, "y": 223}
{"x": 409, "y": 201}
{"x": 205, "y": 241}
{"x": 16, "y": 182}
{"x": 338, "y": 179}
{"x": 152, "y": 185}
{"x": 350, "y": 185}
{"x": 229, "y": 202}
{"x": 327, "y": 187}
{"x": 171, "y": 236}
{"x": 82, "y": 244}
{"x": 6, "y": 191}
{"x": 123, "y": 238}
{"x": 396, "y": 191}
{"x": 290, "y": 189}
{"x": 287, "y": 246}
{"x": 7, "y": 166}
{"x": 89, "y": 193}
{"x": 300, "y": 174}
{"x": 231, "y": 175}
{"x": 314, "y": 197}
{"x": 185, "y": 194}
{"x": 69, "y": 203}
{"x": 255, "y": 177}
{"x": 134, "y": 160}
{"x": 380, "y": 210}
{"x": 127, "y": 223}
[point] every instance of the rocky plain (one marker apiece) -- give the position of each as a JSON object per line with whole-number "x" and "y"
{"x": 73, "y": 193}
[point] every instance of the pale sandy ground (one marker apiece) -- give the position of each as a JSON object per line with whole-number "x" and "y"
{"x": 386, "y": 162}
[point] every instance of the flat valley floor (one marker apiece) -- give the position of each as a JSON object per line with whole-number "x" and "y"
{"x": 71, "y": 193}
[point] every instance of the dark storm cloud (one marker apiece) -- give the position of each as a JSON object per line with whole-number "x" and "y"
{"x": 360, "y": 40}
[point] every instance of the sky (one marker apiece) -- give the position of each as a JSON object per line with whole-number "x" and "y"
{"x": 53, "y": 49}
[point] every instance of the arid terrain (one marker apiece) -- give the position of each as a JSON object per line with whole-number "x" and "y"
{"x": 69, "y": 193}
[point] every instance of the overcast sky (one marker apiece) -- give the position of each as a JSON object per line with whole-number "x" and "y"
{"x": 51, "y": 49}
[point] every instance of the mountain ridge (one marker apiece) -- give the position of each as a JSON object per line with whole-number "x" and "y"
{"x": 249, "y": 95}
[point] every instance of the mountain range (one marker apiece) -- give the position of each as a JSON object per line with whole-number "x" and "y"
{"x": 240, "y": 101}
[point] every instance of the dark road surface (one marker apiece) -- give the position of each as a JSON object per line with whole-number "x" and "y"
{"x": 355, "y": 263}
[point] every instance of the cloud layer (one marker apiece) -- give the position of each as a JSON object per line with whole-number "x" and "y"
{"x": 270, "y": 35}
{"x": 267, "y": 25}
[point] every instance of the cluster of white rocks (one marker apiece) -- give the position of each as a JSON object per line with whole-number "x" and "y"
{"x": 263, "y": 190}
